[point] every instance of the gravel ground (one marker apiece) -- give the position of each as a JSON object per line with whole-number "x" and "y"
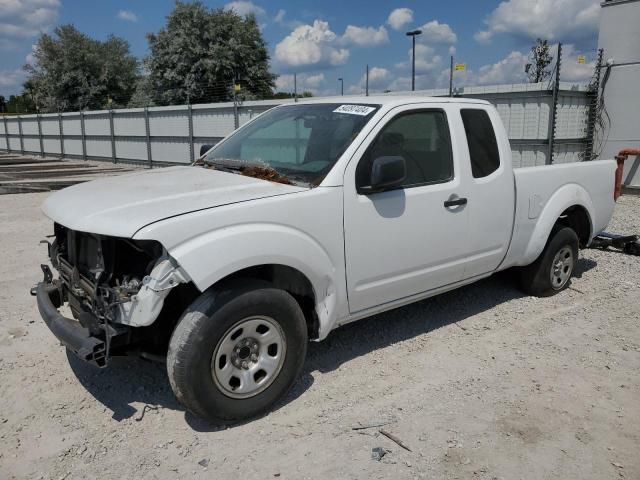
{"x": 480, "y": 383}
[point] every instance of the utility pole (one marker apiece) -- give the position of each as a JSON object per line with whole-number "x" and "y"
{"x": 554, "y": 106}
{"x": 366, "y": 88}
{"x": 236, "y": 89}
{"x": 341, "y": 86}
{"x": 451, "y": 78}
{"x": 413, "y": 34}
{"x": 295, "y": 87}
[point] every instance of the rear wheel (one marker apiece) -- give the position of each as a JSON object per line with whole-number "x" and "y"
{"x": 552, "y": 270}
{"x": 235, "y": 353}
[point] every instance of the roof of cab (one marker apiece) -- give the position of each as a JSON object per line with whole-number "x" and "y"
{"x": 391, "y": 100}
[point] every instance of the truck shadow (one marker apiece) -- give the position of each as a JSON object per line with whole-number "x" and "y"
{"x": 132, "y": 380}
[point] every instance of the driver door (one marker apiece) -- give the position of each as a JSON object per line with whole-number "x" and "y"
{"x": 406, "y": 241}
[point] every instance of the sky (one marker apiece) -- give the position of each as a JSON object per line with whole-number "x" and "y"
{"x": 322, "y": 41}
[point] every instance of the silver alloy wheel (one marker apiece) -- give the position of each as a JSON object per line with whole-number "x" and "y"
{"x": 248, "y": 357}
{"x": 561, "y": 267}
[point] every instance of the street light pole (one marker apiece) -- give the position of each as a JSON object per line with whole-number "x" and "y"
{"x": 413, "y": 34}
{"x": 341, "y": 86}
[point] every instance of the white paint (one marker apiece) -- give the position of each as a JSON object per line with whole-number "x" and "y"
{"x": 361, "y": 254}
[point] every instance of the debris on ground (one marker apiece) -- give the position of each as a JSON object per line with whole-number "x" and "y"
{"x": 378, "y": 452}
{"x": 395, "y": 439}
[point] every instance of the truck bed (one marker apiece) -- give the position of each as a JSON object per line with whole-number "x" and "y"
{"x": 543, "y": 193}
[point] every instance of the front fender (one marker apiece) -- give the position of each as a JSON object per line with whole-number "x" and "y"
{"x": 214, "y": 255}
{"x": 565, "y": 197}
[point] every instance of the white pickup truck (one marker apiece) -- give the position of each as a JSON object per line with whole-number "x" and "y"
{"x": 312, "y": 215}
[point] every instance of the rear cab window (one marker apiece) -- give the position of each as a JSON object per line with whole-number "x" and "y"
{"x": 481, "y": 139}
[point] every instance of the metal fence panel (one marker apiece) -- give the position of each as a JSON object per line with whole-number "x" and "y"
{"x": 528, "y": 155}
{"x": 14, "y": 143}
{"x": 71, "y": 124}
{"x": 96, "y": 124}
{"x": 99, "y": 147}
{"x": 51, "y": 146}
{"x": 175, "y": 137}
{"x": 129, "y": 124}
{"x": 170, "y": 151}
{"x": 31, "y": 144}
{"x": 50, "y": 126}
{"x": 132, "y": 148}
{"x": 213, "y": 122}
{"x": 169, "y": 124}
{"x": 29, "y": 126}
{"x": 12, "y": 126}
{"x": 72, "y": 146}
{"x": 571, "y": 120}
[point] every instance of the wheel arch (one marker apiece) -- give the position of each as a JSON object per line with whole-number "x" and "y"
{"x": 570, "y": 205}
{"x": 284, "y": 277}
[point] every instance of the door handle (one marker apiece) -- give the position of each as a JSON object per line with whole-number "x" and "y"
{"x": 454, "y": 202}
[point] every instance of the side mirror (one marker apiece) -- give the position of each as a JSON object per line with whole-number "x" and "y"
{"x": 204, "y": 149}
{"x": 386, "y": 173}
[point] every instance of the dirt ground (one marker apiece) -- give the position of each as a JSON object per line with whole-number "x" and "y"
{"x": 481, "y": 383}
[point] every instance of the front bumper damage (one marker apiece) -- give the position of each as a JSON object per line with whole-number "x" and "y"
{"x": 115, "y": 289}
{"x": 79, "y": 339}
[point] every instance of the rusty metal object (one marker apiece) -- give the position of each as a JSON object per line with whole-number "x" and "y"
{"x": 620, "y": 158}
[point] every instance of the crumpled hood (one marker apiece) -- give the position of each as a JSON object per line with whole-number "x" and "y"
{"x": 121, "y": 205}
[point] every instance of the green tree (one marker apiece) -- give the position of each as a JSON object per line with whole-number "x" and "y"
{"x": 281, "y": 95}
{"x": 200, "y": 53}
{"x": 540, "y": 58}
{"x": 72, "y": 71}
{"x": 22, "y": 103}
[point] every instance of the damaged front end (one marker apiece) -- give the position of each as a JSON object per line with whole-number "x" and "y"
{"x": 111, "y": 285}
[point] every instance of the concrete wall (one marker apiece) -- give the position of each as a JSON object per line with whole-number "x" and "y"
{"x": 620, "y": 40}
{"x": 168, "y": 135}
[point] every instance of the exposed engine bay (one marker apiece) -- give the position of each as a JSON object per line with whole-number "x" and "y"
{"x": 111, "y": 283}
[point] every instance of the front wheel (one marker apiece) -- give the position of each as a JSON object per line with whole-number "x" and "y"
{"x": 552, "y": 270}
{"x": 235, "y": 353}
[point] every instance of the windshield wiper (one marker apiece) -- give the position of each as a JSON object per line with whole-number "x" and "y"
{"x": 227, "y": 163}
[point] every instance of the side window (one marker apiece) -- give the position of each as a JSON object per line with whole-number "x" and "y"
{"x": 422, "y": 139}
{"x": 483, "y": 147}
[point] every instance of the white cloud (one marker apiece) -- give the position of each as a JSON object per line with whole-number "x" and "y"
{"x": 279, "y": 18}
{"x": 571, "y": 70}
{"x": 127, "y": 16}
{"x": 11, "y": 78}
{"x": 482, "y": 36}
{"x": 508, "y": 70}
{"x": 305, "y": 83}
{"x": 21, "y": 19}
{"x": 426, "y": 59}
{"x": 242, "y": 7}
{"x": 30, "y": 58}
{"x": 400, "y": 17}
{"x": 364, "y": 36}
{"x": 436, "y": 32}
{"x": 311, "y": 45}
{"x": 511, "y": 68}
{"x": 548, "y": 19}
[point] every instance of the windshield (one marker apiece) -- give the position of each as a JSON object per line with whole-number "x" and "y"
{"x": 293, "y": 144}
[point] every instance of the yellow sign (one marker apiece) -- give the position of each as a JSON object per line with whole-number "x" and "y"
{"x": 582, "y": 59}
{"x": 237, "y": 87}
{"x": 460, "y": 67}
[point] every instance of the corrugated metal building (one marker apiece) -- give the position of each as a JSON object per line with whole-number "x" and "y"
{"x": 620, "y": 40}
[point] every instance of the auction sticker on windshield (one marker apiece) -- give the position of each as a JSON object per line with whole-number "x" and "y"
{"x": 354, "y": 109}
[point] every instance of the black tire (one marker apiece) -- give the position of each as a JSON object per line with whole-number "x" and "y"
{"x": 536, "y": 279}
{"x": 206, "y": 323}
